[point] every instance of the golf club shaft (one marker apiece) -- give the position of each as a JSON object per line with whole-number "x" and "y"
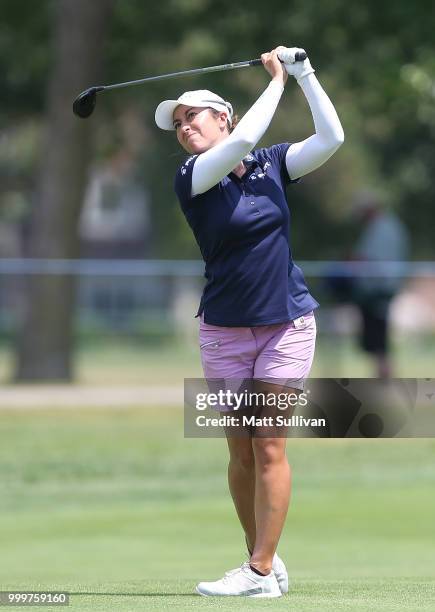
{"x": 84, "y": 104}
{"x": 173, "y": 75}
{"x": 184, "y": 73}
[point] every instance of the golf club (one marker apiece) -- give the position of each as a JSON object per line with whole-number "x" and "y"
{"x": 85, "y": 102}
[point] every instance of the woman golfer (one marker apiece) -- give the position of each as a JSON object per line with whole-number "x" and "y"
{"x": 256, "y": 314}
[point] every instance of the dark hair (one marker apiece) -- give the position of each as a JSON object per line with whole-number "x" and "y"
{"x": 234, "y": 120}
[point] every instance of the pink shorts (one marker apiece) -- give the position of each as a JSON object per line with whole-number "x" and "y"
{"x": 271, "y": 353}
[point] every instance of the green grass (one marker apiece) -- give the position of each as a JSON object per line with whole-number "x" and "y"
{"x": 120, "y": 361}
{"x": 122, "y": 511}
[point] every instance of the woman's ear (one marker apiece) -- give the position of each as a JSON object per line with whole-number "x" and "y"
{"x": 223, "y": 120}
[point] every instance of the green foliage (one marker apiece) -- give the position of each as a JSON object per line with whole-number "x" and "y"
{"x": 25, "y": 57}
{"x": 376, "y": 63}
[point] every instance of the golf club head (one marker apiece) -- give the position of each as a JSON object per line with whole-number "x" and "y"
{"x": 84, "y": 104}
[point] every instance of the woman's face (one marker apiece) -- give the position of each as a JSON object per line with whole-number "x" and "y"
{"x": 199, "y": 129}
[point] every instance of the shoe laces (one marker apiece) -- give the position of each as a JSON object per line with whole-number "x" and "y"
{"x": 238, "y": 569}
{"x": 232, "y": 573}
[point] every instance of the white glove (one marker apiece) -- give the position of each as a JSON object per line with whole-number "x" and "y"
{"x": 296, "y": 69}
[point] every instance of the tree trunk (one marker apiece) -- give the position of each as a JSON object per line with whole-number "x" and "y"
{"x": 46, "y": 336}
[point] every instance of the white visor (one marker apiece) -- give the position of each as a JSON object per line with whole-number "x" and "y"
{"x": 200, "y": 97}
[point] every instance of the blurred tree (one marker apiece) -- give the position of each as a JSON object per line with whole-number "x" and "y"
{"x": 377, "y": 65}
{"x": 372, "y": 73}
{"x": 45, "y": 345}
{"x": 25, "y": 57}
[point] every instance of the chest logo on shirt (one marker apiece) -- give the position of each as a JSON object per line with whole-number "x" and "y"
{"x": 254, "y": 176}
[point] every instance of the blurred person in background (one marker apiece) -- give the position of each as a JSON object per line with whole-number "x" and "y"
{"x": 383, "y": 239}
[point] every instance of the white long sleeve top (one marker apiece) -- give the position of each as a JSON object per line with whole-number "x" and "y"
{"x": 301, "y": 158}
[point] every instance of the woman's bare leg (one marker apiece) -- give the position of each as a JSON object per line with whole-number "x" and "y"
{"x": 272, "y": 484}
{"x": 272, "y": 497}
{"x": 241, "y": 480}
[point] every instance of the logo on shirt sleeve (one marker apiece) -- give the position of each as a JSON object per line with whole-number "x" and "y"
{"x": 186, "y": 164}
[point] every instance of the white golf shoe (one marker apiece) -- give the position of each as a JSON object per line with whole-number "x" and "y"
{"x": 279, "y": 570}
{"x": 242, "y": 582}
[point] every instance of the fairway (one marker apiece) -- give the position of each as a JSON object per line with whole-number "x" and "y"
{"x": 120, "y": 510}
{"x": 119, "y": 361}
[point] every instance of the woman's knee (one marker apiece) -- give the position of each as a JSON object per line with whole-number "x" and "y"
{"x": 268, "y": 451}
{"x": 242, "y": 455}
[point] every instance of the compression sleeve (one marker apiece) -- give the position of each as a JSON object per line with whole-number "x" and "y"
{"x": 304, "y": 157}
{"x": 212, "y": 165}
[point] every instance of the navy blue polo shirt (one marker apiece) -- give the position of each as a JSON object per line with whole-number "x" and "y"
{"x": 242, "y": 227}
